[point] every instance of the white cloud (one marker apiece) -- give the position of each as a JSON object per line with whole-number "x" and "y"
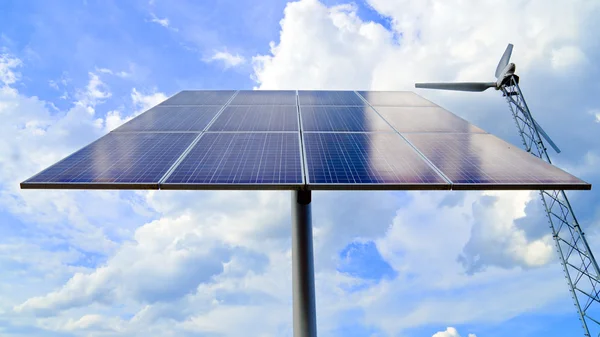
{"x": 332, "y": 47}
{"x": 227, "y": 59}
{"x": 450, "y": 332}
{"x": 88, "y": 322}
{"x": 596, "y": 114}
{"x": 96, "y": 92}
{"x": 121, "y": 74}
{"x": 186, "y": 258}
{"x": 568, "y": 57}
{"x": 113, "y": 120}
{"x": 163, "y": 22}
{"x": 53, "y": 84}
{"x": 143, "y": 102}
{"x": 7, "y": 69}
{"x": 58, "y": 230}
{"x": 496, "y": 239}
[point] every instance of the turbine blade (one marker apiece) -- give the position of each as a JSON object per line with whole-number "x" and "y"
{"x": 459, "y": 86}
{"x": 545, "y": 135}
{"x": 504, "y": 60}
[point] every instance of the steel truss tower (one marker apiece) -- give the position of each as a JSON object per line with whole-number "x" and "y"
{"x": 579, "y": 265}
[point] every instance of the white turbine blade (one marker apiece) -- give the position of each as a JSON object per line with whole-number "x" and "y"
{"x": 459, "y": 86}
{"x": 504, "y": 60}
{"x": 545, "y": 135}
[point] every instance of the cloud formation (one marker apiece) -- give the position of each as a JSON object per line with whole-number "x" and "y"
{"x": 227, "y": 59}
{"x": 163, "y": 22}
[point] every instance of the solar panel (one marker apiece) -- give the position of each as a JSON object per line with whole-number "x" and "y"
{"x": 200, "y": 97}
{"x": 394, "y": 98}
{"x": 483, "y": 161}
{"x": 172, "y": 118}
{"x": 264, "y": 97}
{"x": 309, "y": 140}
{"x": 257, "y": 118}
{"x": 366, "y": 161}
{"x": 346, "y": 118}
{"x": 425, "y": 119}
{"x": 317, "y": 97}
{"x": 117, "y": 160}
{"x": 240, "y": 161}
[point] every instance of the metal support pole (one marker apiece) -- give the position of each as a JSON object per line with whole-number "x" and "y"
{"x": 303, "y": 273}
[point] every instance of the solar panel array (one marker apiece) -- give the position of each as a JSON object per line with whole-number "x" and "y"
{"x": 301, "y": 139}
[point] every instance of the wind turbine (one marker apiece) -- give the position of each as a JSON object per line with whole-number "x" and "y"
{"x": 579, "y": 265}
{"x": 505, "y": 74}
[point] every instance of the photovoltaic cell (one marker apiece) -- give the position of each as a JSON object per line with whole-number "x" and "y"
{"x": 240, "y": 160}
{"x": 257, "y": 118}
{"x": 172, "y": 118}
{"x": 200, "y": 97}
{"x": 265, "y": 97}
{"x": 117, "y": 160}
{"x": 366, "y": 160}
{"x": 394, "y": 98}
{"x": 425, "y": 119}
{"x": 316, "y": 97}
{"x": 341, "y": 118}
{"x": 483, "y": 161}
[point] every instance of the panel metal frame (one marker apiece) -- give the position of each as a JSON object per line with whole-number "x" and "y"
{"x": 301, "y": 142}
{"x": 90, "y": 186}
{"x": 518, "y": 187}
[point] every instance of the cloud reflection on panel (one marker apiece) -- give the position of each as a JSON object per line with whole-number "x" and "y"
{"x": 342, "y": 119}
{"x": 114, "y": 160}
{"x": 474, "y": 160}
{"x": 366, "y": 161}
{"x": 425, "y": 119}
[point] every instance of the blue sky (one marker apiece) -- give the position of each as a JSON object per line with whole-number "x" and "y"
{"x": 90, "y": 263}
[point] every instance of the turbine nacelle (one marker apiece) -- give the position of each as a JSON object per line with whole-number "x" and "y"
{"x": 507, "y": 72}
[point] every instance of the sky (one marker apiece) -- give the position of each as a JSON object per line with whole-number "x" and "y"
{"x": 210, "y": 263}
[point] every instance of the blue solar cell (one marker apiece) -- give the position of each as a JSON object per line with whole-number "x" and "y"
{"x": 376, "y": 160}
{"x": 394, "y": 98}
{"x": 257, "y": 118}
{"x": 240, "y": 160}
{"x": 172, "y": 118}
{"x": 265, "y": 97}
{"x": 316, "y": 97}
{"x": 335, "y": 118}
{"x": 117, "y": 160}
{"x": 200, "y": 97}
{"x": 483, "y": 161}
{"x": 425, "y": 119}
